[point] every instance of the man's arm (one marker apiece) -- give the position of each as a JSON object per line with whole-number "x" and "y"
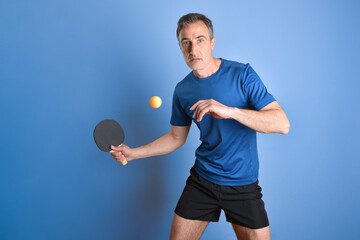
{"x": 270, "y": 119}
{"x": 167, "y": 143}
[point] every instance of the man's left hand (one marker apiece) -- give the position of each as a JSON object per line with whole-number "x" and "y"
{"x": 211, "y": 107}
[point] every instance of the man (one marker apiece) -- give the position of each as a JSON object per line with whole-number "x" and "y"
{"x": 229, "y": 104}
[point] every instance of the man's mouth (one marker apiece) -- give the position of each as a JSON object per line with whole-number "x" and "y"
{"x": 194, "y": 59}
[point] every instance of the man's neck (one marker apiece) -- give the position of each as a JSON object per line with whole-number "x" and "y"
{"x": 213, "y": 66}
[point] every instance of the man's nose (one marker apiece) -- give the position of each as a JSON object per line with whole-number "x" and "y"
{"x": 193, "y": 48}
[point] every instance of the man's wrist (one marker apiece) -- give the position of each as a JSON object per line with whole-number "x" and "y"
{"x": 233, "y": 111}
{"x": 137, "y": 152}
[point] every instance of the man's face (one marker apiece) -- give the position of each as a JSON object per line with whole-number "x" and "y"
{"x": 196, "y": 46}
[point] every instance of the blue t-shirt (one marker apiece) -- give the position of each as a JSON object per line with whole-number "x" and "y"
{"x": 228, "y": 152}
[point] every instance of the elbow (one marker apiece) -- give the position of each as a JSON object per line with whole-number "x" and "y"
{"x": 284, "y": 124}
{"x": 285, "y": 127}
{"x": 178, "y": 141}
{"x": 181, "y": 143}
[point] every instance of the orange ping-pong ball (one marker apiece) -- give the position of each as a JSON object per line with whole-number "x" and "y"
{"x": 155, "y": 102}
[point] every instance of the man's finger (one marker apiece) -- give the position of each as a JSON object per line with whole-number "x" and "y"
{"x": 115, "y": 148}
{"x": 114, "y": 153}
{"x": 118, "y": 155}
{"x": 122, "y": 159}
{"x": 198, "y": 109}
{"x": 195, "y": 105}
{"x": 203, "y": 112}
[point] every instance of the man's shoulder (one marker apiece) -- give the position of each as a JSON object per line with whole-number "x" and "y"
{"x": 234, "y": 64}
{"x": 237, "y": 69}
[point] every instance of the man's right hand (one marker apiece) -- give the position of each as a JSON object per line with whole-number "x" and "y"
{"x": 122, "y": 153}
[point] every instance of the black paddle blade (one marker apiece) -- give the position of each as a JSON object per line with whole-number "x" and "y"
{"x": 108, "y": 132}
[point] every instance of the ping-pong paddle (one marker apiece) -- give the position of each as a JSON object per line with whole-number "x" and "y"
{"x": 109, "y": 132}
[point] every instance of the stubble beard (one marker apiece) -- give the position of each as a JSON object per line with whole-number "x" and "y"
{"x": 199, "y": 68}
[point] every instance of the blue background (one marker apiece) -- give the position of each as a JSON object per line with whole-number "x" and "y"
{"x": 66, "y": 65}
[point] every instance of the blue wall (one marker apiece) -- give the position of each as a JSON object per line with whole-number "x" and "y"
{"x": 66, "y": 65}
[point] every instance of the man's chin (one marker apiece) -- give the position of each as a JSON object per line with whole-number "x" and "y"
{"x": 195, "y": 66}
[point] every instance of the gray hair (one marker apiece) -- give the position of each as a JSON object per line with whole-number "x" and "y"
{"x": 192, "y": 18}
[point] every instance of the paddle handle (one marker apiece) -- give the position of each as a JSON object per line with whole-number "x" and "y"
{"x": 124, "y": 162}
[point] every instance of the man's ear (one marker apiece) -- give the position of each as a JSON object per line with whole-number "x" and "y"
{"x": 212, "y": 42}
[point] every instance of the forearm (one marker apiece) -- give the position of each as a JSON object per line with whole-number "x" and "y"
{"x": 163, "y": 145}
{"x": 267, "y": 121}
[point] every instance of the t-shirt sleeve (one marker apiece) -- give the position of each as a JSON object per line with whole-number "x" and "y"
{"x": 178, "y": 115}
{"x": 255, "y": 90}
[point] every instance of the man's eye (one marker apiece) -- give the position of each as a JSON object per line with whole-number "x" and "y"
{"x": 186, "y": 43}
{"x": 201, "y": 40}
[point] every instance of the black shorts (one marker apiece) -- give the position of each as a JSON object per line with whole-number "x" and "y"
{"x": 203, "y": 200}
